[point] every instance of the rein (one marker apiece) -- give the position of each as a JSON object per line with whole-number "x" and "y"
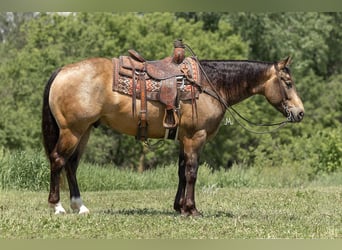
{"x": 214, "y": 93}
{"x": 231, "y": 110}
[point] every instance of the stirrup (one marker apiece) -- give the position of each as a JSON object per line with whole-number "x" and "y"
{"x": 170, "y": 122}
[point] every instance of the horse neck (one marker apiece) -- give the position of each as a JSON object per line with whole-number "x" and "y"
{"x": 237, "y": 80}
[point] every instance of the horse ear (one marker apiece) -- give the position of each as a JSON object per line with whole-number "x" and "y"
{"x": 284, "y": 63}
{"x": 288, "y": 61}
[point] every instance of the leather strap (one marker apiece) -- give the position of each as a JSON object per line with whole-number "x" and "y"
{"x": 142, "y": 127}
{"x": 134, "y": 88}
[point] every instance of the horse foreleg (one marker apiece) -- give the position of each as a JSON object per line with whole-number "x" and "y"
{"x": 179, "y": 200}
{"x": 192, "y": 148}
{"x": 191, "y": 168}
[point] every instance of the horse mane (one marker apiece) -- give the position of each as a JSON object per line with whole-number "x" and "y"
{"x": 235, "y": 77}
{"x": 231, "y": 72}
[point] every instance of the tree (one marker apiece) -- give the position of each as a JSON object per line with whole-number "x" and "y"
{"x": 210, "y": 20}
{"x": 272, "y": 36}
{"x": 52, "y": 40}
{"x": 10, "y": 23}
{"x": 334, "y": 44}
{"x": 35, "y": 44}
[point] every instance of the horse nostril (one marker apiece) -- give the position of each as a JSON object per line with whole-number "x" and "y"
{"x": 301, "y": 115}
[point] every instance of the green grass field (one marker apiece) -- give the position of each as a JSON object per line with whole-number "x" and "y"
{"x": 147, "y": 214}
{"x": 240, "y": 203}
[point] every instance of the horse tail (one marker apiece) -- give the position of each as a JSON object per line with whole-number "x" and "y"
{"x": 50, "y": 128}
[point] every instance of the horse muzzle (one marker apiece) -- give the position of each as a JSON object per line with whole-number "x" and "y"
{"x": 295, "y": 114}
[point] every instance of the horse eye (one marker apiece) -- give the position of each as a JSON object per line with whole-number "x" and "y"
{"x": 287, "y": 82}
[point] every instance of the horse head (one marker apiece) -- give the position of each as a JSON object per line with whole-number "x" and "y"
{"x": 281, "y": 92}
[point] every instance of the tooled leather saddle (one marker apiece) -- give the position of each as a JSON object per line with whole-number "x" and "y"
{"x": 168, "y": 81}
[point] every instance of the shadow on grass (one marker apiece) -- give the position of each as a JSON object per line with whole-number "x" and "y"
{"x": 220, "y": 214}
{"x": 138, "y": 211}
{"x": 154, "y": 212}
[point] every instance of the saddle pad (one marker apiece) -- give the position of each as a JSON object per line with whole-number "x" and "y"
{"x": 125, "y": 86}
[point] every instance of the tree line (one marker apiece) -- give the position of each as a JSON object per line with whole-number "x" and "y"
{"x": 33, "y": 45}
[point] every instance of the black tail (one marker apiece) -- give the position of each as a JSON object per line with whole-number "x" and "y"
{"x": 50, "y": 128}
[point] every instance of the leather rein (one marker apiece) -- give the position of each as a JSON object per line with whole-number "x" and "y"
{"x": 214, "y": 93}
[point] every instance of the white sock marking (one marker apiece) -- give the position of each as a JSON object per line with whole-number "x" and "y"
{"x": 58, "y": 208}
{"x": 77, "y": 205}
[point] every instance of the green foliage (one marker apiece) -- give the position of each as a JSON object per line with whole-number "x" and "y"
{"x": 23, "y": 170}
{"x": 272, "y": 36}
{"x": 51, "y": 40}
{"x": 29, "y": 170}
{"x": 330, "y": 152}
{"x": 34, "y": 45}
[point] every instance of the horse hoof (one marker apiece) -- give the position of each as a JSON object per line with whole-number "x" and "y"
{"x": 77, "y": 206}
{"x": 195, "y": 213}
{"x": 192, "y": 213}
{"x": 84, "y": 210}
{"x": 59, "y": 212}
{"x": 184, "y": 214}
{"x": 58, "y": 208}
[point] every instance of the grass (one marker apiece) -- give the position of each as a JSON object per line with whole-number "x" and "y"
{"x": 241, "y": 213}
{"x": 22, "y": 170}
{"x": 243, "y": 203}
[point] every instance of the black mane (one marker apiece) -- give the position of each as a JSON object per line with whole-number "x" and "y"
{"x": 235, "y": 78}
{"x": 231, "y": 72}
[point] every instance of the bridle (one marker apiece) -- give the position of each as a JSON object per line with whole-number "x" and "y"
{"x": 215, "y": 94}
{"x": 284, "y": 95}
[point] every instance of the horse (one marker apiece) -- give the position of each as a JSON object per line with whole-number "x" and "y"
{"x": 79, "y": 96}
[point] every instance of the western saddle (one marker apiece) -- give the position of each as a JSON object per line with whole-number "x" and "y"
{"x": 168, "y": 81}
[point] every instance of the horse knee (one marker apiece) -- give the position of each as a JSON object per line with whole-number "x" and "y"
{"x": 191, "y": 170}
{"x": 191, "y": 175}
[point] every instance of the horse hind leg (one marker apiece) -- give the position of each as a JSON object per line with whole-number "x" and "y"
{"x": 64, "y": 149}
{"x": 76, "y": 202}
{"x": 56, "y": 165}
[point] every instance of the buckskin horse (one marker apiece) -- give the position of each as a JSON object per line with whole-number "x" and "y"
{"x": 79, "y": 96}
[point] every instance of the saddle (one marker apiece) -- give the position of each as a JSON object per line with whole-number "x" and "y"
{"x": 168, "y": 81}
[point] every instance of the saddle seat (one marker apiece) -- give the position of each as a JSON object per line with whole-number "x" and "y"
{"x": 158, "y": 70}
